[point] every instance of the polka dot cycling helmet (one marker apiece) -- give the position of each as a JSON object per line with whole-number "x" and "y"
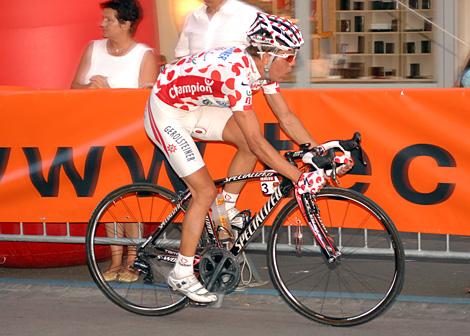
{"x": 273, "y": 31}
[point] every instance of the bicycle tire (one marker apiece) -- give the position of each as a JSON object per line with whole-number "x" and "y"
{"x": 128, "y": 201}
{"x": 316, "y": 292}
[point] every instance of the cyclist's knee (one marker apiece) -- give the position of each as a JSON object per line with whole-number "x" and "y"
{"x": 206, "y": 196}
{"x": 243, "y": 146}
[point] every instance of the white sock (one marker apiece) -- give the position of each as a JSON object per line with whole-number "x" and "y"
{"x": 183, "y": 266}
{"x": 230, "y": 199}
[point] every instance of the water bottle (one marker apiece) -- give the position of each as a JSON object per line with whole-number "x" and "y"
{"x": 220, "y": 218}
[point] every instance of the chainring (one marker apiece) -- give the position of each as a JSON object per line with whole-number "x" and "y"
{"x": 219, "y": 270}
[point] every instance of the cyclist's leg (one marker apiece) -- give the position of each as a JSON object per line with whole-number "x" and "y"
{"x": 182, "y": 277}
{"x": 244, "y": 160}
{"x": 242, "y": 163}
{"x": 203, "y": 192}
{"x": 218, "y": 124}
{"x": 169, "y": 129}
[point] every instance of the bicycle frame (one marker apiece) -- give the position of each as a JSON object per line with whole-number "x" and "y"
{"x": 309, "y": 211}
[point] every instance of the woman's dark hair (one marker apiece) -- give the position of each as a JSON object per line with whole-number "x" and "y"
{"x": 127, "y": 10}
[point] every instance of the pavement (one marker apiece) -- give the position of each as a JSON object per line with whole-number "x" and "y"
{"x": 64, "y": 301}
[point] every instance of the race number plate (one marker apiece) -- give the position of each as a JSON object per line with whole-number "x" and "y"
{"x": 269, "y": 184}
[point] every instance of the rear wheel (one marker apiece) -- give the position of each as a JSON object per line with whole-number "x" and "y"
{"x": 121, "y": 222}
{"x": 352, "y": 290}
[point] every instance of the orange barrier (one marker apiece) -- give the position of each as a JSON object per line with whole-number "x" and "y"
{"x": 62, "y": 151}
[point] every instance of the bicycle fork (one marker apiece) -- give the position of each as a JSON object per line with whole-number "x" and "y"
{"x": 326, "y": 243}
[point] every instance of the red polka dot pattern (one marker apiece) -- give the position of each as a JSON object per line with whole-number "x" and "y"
{"x": 221, "y": 78}
{"x": 230, "y": 83}
{"x": 215, "y": 75}
{"x": 170, "y": 75}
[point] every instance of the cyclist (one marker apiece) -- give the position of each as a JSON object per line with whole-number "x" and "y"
{"x": 209, "y": 96}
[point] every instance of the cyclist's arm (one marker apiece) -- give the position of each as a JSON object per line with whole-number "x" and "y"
{"x": 82, "y": 70}
{"x": 249, "y": 124}
{"x": 288, "y": 121}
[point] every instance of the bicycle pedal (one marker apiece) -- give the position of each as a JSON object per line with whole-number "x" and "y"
{"x": 214, "y": 305}
{"x": 192, "y": 303}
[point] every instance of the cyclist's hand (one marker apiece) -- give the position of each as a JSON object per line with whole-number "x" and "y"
{"x": 318, "y": 150}
{"x": 344, "y": 164}
{"x": 310, "y": 182}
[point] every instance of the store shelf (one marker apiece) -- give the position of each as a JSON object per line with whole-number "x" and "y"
{"x": 421, "y": 11}
{"x": 389, "y": 44}
{"x": 371, "y": 80}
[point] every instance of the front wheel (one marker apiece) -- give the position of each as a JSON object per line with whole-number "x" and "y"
{"x": 352, "y": 290}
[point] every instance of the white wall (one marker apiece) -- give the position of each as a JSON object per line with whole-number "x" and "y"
{"x": 167, "y": 28}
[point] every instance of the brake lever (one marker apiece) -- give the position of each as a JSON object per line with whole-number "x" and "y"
{"x": 333, "y": 176}
{"x": 304, "y": 147}
{"x": 357, "y": 139}
{"x": 361, "y": 156}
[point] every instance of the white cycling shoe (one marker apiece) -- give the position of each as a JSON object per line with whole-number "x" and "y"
{"x": 235, "y": 220}
{"x": 192, "y": 288}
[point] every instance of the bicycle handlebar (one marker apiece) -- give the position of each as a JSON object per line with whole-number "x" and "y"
{"x": 322, "y": 157}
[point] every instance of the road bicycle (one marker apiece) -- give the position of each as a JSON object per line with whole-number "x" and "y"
{"x": 334, "y": 257}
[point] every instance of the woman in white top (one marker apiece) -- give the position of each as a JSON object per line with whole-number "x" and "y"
{"x": 117, "y": 61}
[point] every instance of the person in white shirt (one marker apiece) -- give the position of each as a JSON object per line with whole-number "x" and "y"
{"x": 217, "y": 23}
{"x": 117, "y": 61}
